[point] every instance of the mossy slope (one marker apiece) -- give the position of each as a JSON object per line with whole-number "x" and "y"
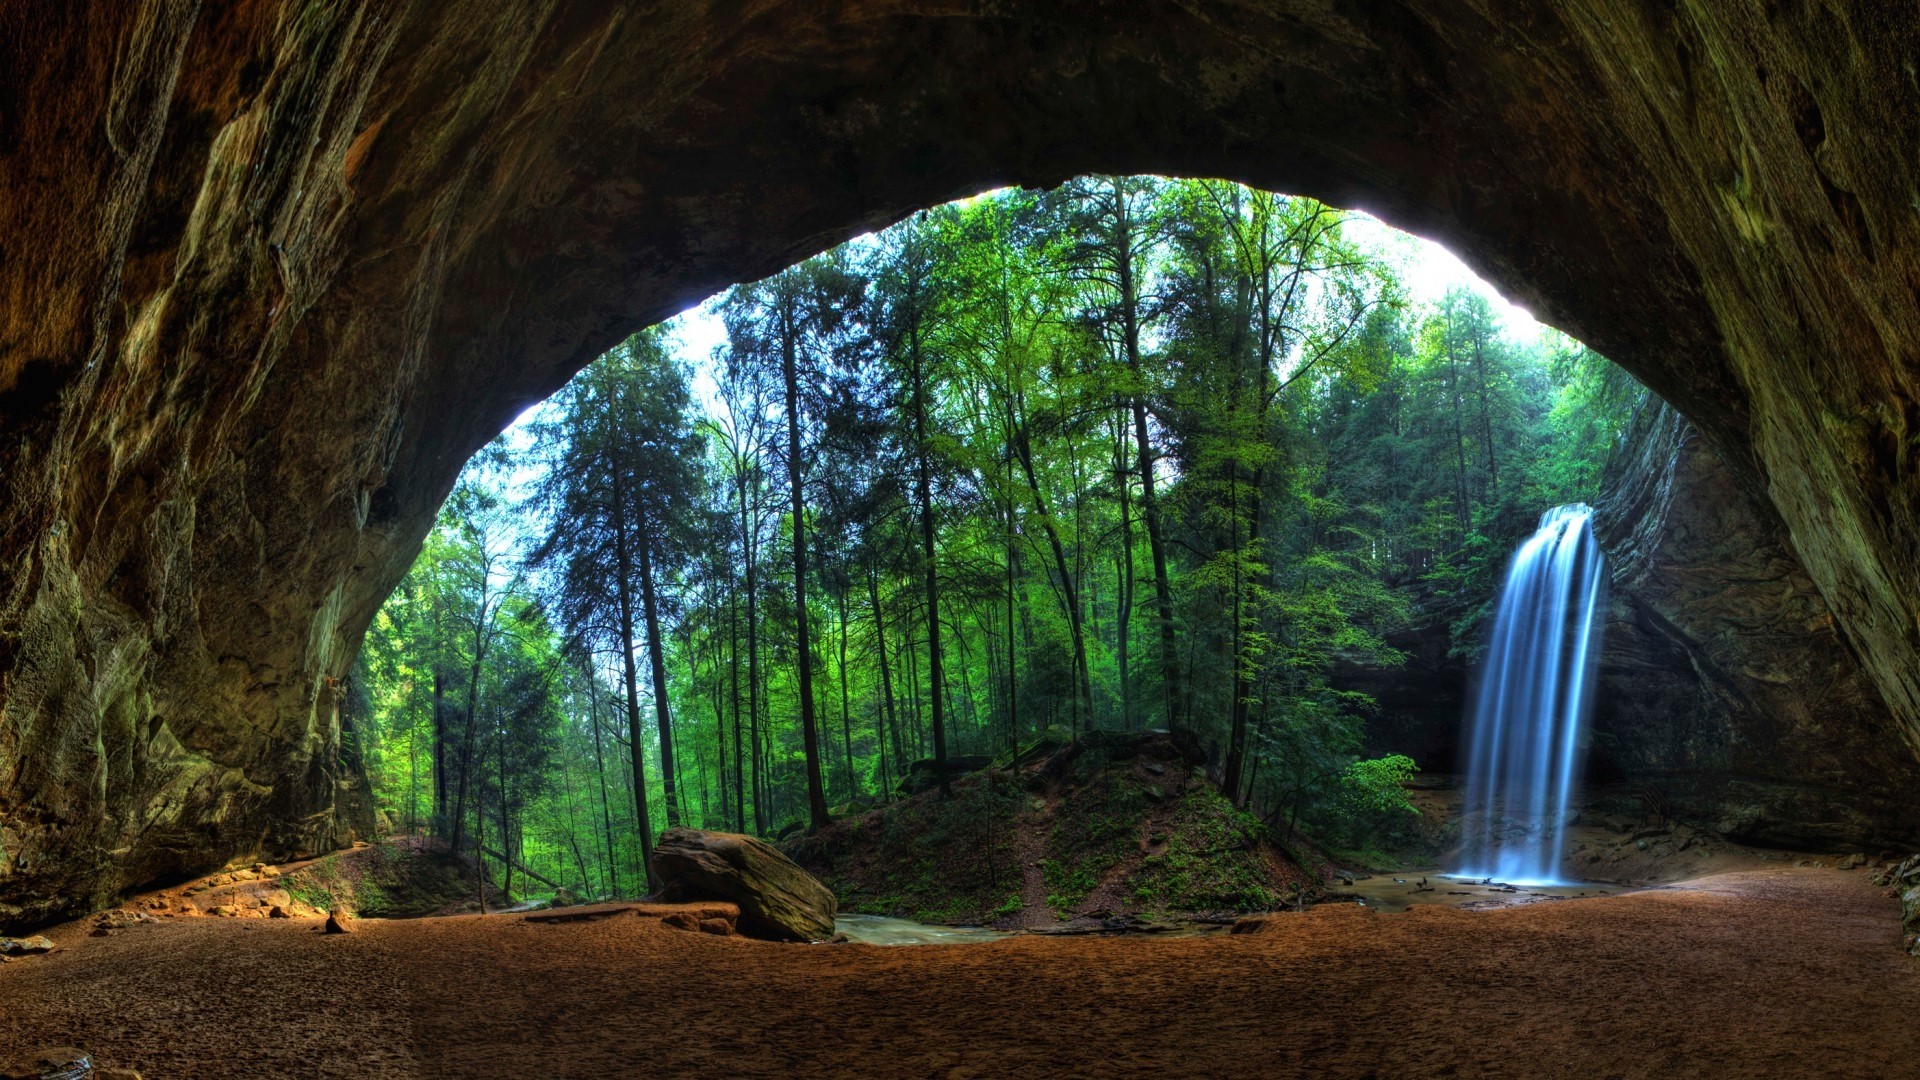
{"x": 1113, "y": 825}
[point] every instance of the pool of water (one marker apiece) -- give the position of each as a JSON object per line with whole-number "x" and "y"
{"x": 1398, "y": 892}
{"x": 882, "y": 930}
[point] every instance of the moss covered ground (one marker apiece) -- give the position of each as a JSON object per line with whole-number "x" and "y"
{"x": 1111, "y": 825}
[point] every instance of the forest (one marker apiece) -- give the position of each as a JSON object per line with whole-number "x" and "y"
{"x": 1133, "y": 453}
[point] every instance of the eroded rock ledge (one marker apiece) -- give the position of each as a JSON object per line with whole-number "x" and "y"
{"x": 269, "y": 272}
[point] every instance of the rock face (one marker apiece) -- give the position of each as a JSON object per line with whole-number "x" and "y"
{"x": 1725, "y": 683}
{"x": 778, "y": 900}
{"x": 272, "y": 270}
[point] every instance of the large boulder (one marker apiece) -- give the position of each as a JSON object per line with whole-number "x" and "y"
{"x": 778, "y": 900}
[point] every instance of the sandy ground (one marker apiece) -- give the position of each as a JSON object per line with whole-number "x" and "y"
{"x": 1790, "y": 972}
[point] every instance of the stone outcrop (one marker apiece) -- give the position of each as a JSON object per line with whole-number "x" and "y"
{"x": 777, "y": 899}
{"x": 270, "y": 271}
{"x": 1725, "y": 683}
{"x": 1725, "y": 686}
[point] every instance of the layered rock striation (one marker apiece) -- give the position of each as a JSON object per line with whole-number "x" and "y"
{"x": 1725, "y": 683}
{"x": 270, "y": 271}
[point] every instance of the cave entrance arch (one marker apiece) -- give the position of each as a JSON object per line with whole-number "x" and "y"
{"x": 289, "y": 271}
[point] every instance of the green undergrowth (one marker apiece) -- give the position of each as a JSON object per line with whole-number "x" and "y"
{"x": 930, "y": 859}
{"x": 1115, "y": 824}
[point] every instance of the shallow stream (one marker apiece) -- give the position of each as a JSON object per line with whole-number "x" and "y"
{"x": 882, "y": 930}
{"x": 1398, "y": 892}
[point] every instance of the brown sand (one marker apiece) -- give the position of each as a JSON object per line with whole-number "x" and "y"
{"x": 1779, "y": 973}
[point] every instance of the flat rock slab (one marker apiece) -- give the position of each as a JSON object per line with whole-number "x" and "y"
{"x": 580, "y": 913}
{"x": 25, "y": 946}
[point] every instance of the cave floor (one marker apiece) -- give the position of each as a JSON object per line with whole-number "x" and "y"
{"x": 1787, "y": 972}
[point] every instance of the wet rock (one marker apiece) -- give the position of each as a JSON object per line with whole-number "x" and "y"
{"x": 27, "y": 946}
{"x": 1905, "y": 882}
{"x": 51, "y": 1063}
{"x": 778, "y": 900}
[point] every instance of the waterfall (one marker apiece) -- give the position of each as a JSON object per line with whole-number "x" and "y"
{"x": 1523, "y": 732}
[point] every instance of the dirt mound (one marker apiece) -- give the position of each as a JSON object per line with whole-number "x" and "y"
{"x": 1113, "y": 826}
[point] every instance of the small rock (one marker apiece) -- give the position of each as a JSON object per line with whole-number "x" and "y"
{"x": 52, "y": 1063}
{"x": 119, "y": 918}
{"x": 1156, "y": 768}
{"x": 339, "y": 923}
{"x": 224, "y": 911}
{"x": 1154, "y": 793}
{"x": 278, "y": 912}
{"x": 27, "y": 946}
{"x": 716, "y": 927}
{"x": 1853, "y": 861}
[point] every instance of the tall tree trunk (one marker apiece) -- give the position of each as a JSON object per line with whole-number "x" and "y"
{"x": 1149, "y": 502}
{"x": 1462, "y": 507}
{"x": 753, "y": 657}
{"x": 600, "y": 763}
{"x": 1013, "y": 665}
{"x": 803, "y": 642}
{"x": 733, "y": 663}
{"x": 1070, "y": 595}
{"x": 473, "y": 716}
{"x": 846, "y": 702}
{"x": 923, "y": 491}
{"x": 439, "y": 747}
{"x": 1486, "y": 417}
{"x": 506, "y": 836}
{"x": 657, "y": 665}
{"x": 1123, "y": 578}
{"x": 891, "y": 718}
{"x": 636, "y": 743}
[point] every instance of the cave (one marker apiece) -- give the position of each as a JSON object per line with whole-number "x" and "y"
{"x": 274, "y": 272}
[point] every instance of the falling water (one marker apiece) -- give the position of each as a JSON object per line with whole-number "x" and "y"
{"x": 1524, "y": 730}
